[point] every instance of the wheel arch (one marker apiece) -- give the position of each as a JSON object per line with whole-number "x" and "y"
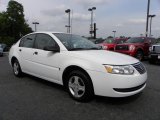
{"x": 71, "y": 68}
{"x": 12, "y": 60}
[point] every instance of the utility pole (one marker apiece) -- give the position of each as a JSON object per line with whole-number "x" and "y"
{"x": 114, "y": 33}
{"x": 91, "y": 26}
{"x": 148, "y": 6}
{"x": 69, "y": 20}
{"x": 35, "y": 23}
{"x": 151, "y": 16}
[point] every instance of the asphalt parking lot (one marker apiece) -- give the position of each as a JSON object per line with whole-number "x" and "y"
{"x": 30, "y": 98}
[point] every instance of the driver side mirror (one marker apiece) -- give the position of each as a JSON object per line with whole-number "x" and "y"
{"x": 55, "y": 48}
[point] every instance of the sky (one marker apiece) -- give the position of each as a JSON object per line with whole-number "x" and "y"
{"x": 126, "y": 17}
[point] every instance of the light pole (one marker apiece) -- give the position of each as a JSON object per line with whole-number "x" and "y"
{"x": 69, "y": 21}
{"x": 151, "y": 16}
{"x": 114, "y": 33}
{"x": 35, "y": 23}
{"x": 91, "y": 27}
{"x": 148, "y": 6}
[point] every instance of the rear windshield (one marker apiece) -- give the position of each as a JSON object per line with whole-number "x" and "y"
{"x": 135, "y": 40}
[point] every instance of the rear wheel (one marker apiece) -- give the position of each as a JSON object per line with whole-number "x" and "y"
{"x": 139, "y": 55}
{"x": 16, "y": 68}
{"x": 79, "y": 86}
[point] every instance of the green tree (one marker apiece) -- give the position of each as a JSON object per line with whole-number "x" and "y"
{"x": 12, "y": 23}
{"x": 4, "y": 26}
{"x": 18, "y": 25}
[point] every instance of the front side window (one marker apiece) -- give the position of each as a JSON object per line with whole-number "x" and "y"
{"x": 43, "y": 40}
{"x": 27, "y": 41}
{"x": 75, "y": 42}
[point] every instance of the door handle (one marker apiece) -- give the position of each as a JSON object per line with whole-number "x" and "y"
{"x": 20, "y": 50}
{"x": 35, "y": 53}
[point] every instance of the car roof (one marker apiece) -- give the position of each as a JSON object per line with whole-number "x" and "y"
{"x": 49, "y": 32}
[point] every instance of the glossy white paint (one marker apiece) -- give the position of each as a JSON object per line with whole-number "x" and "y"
{"x": 50, "y": 66}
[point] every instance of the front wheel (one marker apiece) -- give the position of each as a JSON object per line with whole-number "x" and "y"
{"x": 152, "y": 61}
{"x": 16, "y": 68}
{"x": 139, "y": 55}
{"x": 79, "y": 86}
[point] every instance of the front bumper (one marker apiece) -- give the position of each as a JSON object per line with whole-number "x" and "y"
{"x": 155, "y": 56}
{"x": 114, "y": 85}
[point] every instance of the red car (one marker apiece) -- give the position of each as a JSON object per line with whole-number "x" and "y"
{"x": 109, "y": 43}
{"x": 137, "y": 47}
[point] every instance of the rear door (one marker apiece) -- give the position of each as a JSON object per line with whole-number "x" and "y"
{"x": 25, "y": 52}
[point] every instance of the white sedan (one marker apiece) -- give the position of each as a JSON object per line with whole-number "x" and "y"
{"x": 78, "y": 64}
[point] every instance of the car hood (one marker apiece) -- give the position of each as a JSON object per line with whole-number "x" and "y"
{"x": 128, "y": 44}
{"x": 107, "y": 44}
{"x": 104, "y": 57}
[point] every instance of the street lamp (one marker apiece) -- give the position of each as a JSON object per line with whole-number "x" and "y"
{"x": 35, "y": 23}
{"x": 114, "y": 33}
{"x": 69, "y": 20}
{"x": 148, "y": 6}
{"x": 151, "y": 16}
{"x": 91, "y": 27}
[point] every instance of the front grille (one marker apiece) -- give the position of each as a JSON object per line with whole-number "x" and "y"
{"x": 139, "y": 67}
{"x": 156, "y": 49}
{"x": 121, "y": 47}
{"x": 129, "y": 89}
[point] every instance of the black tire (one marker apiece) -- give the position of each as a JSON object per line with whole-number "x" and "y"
{"x": 82, "y": 90}
{"x": 139, "y": 55}
{"x": 16, "y": 68}
{"x": 152, "y": 61}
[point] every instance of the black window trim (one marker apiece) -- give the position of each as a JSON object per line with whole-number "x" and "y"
{"x": 34, "y": 45}
{"x": 25, "y": 37}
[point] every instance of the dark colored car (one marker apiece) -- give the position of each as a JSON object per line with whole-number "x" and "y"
{"x": 154, "y": 55}
{"x": 1, "y": 50}
{"x": 137, "y": 47}
{"x": 109, "y": 43}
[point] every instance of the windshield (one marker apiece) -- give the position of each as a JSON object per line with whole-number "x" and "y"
{"x": 110, "y": 41}
{"x": 75, "y": 42}
{"x": 135, "y": 40}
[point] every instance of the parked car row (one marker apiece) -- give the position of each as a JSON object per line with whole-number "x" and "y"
{"x": 110, "y": 43}
{"x": 137, "y": 47}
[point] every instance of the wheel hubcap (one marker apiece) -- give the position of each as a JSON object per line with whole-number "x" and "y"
{"x": 76, "y": 86}
{"x": 16, "y": 68}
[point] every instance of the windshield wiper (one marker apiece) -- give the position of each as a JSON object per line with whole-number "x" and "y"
{"x": 72, "y": 49}
{"x": 94, "y": 48}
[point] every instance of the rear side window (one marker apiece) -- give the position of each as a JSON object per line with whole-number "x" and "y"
{"x": 27, "y": 41}
{"x": 43, "y": 40}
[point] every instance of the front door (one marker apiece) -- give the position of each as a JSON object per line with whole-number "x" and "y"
{"x": 45, "y": 63}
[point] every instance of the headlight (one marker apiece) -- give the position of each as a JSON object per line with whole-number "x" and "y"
{"x": 150, "y": 49}
{"x": 126, "y": 70}
{"x": 105, "y": 47}
{"x": 132, "y": 48}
